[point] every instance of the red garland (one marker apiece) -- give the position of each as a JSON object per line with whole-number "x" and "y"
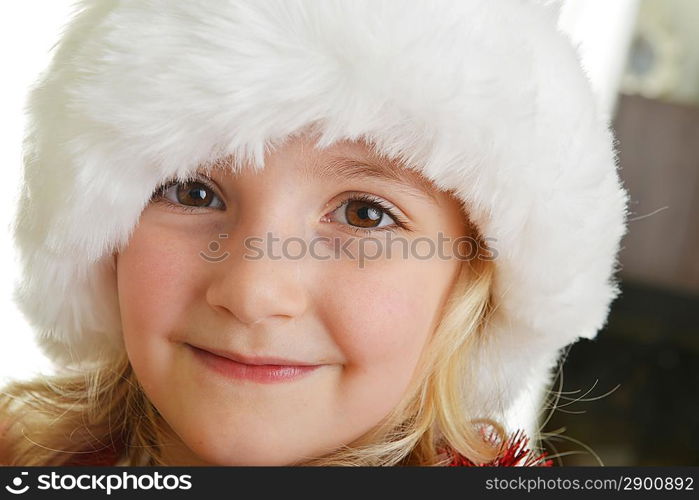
{"x": 515, "y": 453}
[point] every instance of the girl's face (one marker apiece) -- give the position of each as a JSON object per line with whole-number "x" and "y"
{"x": 322, "y": 328}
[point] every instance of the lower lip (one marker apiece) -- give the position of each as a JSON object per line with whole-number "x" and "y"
{"x": 266, "y": 374}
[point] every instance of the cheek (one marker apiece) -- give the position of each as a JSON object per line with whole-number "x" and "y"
{"x": 380, "y": 322}
{"x": 382, "y": 316}
{"x": 159, "y": 278}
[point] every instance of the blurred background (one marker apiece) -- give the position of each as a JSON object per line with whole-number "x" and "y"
{"x": 629, "y": 397}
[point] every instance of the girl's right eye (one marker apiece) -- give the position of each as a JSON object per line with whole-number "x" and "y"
{"x": 190, "y": 195}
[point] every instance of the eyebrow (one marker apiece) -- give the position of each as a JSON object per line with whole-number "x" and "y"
{"x": 410, "y": 182}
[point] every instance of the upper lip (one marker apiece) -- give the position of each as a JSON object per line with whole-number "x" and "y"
{"x": 254, "y": 360}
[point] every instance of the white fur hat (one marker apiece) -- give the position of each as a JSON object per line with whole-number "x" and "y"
{"x": 487, "y": 97}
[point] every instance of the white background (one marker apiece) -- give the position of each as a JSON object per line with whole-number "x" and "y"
{"x": 28, "y": 29}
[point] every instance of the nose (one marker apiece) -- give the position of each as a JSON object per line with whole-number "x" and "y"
{"x": 258, "y": 286}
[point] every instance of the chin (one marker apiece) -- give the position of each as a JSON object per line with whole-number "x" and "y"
{"x": 251, "y": 455}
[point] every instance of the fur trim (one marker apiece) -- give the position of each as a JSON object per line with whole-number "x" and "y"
{"x": 486, "y": 98}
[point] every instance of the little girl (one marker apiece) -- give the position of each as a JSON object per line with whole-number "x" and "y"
{"x": 308, "y": 233}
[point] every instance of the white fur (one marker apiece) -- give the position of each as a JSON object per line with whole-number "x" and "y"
{"x": 483, "y": 96}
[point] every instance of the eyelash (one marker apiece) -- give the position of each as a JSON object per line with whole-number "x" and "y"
{"x": 159, "y": 195}
{"x": 400, "y": 222}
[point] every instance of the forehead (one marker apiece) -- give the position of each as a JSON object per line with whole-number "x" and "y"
{"x": 353, "y": 165}
{"x": 351, "y": 160}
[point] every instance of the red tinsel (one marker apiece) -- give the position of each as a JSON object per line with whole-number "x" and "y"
{"x": 514, "y": 453}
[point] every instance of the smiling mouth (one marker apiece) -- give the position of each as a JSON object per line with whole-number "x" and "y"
{"x": 258, "y": 369}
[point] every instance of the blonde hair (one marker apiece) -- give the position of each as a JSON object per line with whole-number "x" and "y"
{"x": 51, "y": 419}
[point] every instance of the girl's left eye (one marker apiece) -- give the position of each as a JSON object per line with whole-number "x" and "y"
{"x": 366, "y": 214}
{"x": 190, "y": 195}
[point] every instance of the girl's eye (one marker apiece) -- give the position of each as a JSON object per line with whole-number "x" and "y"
{"x": 366, "y": 214}
{"x": 190, "y": 195}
